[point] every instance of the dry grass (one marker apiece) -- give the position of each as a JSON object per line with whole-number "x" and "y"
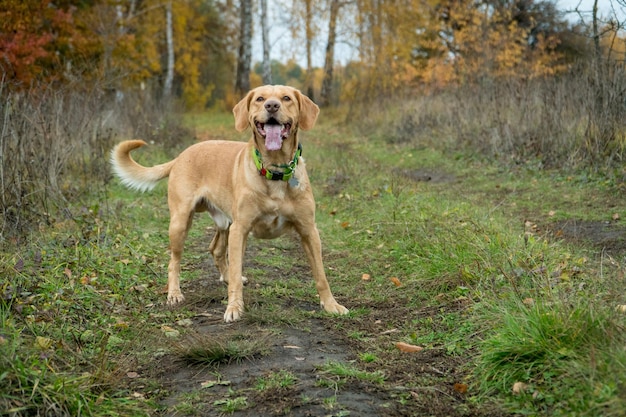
{"x": 54, "y": 145}
{"x": 576, "y": 120}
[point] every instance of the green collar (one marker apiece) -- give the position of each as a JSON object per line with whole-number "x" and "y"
{"x": 285, "y": 175}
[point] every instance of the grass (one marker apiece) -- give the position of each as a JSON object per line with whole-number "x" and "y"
{"x": 202, "y": 349}
{"x": 475, "y": 284}
{"x": 345, "y": 371}
{"x": 276, "y": 380}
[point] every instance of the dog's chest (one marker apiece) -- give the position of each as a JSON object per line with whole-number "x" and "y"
{"x": 275, "y": 217}
{"x": 271, "y": 225}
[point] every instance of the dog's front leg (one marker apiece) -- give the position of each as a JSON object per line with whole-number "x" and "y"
{"x": 313, "y": 248}
{"x": 236, "y": 247}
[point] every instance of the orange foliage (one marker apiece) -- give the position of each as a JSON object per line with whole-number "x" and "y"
{"x": 480, "y": 42}
{"x": 38, "y": 40}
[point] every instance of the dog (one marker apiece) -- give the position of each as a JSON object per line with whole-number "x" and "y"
{"x": 259, "y": 187}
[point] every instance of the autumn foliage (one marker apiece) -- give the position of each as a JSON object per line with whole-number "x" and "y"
{"x": 399, "y": 46}
{"x": 39, "y": 40}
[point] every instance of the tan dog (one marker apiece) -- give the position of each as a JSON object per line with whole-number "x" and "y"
{"x": 259, "y": 187}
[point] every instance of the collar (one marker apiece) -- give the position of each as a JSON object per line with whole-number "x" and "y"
{"x": 289, "y": 169}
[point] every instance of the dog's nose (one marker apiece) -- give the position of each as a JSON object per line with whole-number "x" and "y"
{"x": 272, "y": 106}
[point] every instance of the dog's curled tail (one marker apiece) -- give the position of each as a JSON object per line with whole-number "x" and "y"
{"x": 132, "y": 174}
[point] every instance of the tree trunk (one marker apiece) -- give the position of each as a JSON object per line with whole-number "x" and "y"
{"x": 596, "y": 35}
{"x": 329, "y": 60}
{"x": 267, "y": 67}
{"x": 309, "y": 46}
{"x": 242, "y": 82}
{"x": 169, "y": 36}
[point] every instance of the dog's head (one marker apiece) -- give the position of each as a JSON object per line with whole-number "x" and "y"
{"x": 275, "y": 113}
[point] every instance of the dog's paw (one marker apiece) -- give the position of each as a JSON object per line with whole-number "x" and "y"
{"x": 175, "y": 297}
{"x": 233, "y": 313}
{"x": 243, "y": 279}
{"x": 334, "y": 307}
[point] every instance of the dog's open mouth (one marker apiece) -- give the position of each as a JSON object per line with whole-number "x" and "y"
{"x": 274, "y": 133}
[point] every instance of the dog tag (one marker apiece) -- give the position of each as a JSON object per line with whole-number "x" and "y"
{"x": 293, "y": 181}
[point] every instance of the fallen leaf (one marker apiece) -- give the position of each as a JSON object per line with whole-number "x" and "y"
{"x": 43, "y": 343}
{"x": 68, "y": 272}
{"x": 125, "y": 261}
{"x": 209, "y": 384}
{"x": 519, "y": 387}
{"x": 185, "y": 322}
{"x": 19, "y": 265}
{"x": 528, "y": 301}
{"x": 621, "y": 308}
{"x": 291, "y": 347}
{"x": 396, "y": 281}
{"x": 138, "y": 396}
{"x": 551, "y": 213}
{"x": 345, "y": 225}
{"x": 132, "y": 374}
{"x": 365, "y": 277}
{"x": 170, "y": 332}
{"x": 460, "y": 388}
{"x": 615, "y": 216}
{"x": 389, "y": 331}
{"x": 405, "y": 347}
{"x": 84, "y": 280}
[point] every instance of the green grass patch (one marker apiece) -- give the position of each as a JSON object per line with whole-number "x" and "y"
{"x": 276, "y": 380}
{"x": 346, "y": 371}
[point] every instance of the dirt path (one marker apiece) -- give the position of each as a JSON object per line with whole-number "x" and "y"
{"x": 296, "y": 351}
{"x": 304, "y": 350}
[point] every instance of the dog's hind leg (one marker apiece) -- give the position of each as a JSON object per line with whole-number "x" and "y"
{"x": 180, "y": 222}
{"x": 236, "y": 247}
{"x": 219, "y": 250}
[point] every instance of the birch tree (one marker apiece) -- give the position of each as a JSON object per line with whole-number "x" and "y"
{"x": 169, "y": 39}
{"x": 267, "y": 68}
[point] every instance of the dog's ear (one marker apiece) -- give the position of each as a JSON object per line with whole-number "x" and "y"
{"x": 241, "y": 112}
{"x": 308, "y": 111}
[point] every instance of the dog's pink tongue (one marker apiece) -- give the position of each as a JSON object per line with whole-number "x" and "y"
{"x": 273, "y": 140}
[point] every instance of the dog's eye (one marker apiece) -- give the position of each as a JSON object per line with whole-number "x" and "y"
{"x": 287, "y": 98}
{"x": 260, "y": 98}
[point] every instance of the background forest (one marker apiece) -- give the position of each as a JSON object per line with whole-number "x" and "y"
{"x": 520, "y": 80}
{"x": 97, "y": 69}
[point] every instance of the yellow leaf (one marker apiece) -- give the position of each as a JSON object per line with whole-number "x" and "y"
{"x": 396, "y": 281}
{"x": 43, "y": 343}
